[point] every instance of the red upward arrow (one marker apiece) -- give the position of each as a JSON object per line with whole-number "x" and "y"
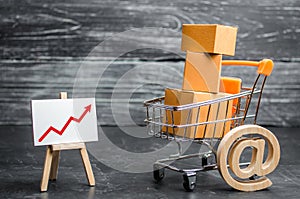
{"x": 60, "y": 132}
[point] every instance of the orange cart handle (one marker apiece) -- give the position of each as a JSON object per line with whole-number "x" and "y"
{"x": 264, "y": 67}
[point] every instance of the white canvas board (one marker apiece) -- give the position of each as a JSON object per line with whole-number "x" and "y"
{"x": 59, "y": 121}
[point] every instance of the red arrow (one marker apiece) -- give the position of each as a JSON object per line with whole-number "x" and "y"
{"x": 60, "y": 132}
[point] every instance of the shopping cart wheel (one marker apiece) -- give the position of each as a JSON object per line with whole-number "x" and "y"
{"x": 253, "y": 177}
{"x": 265, "y": 157}
{"x": 158, "y": 173}
{"x": 189, "y": 181}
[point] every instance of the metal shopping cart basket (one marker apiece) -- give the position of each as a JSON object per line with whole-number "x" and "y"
{"x": 226, "y": 138}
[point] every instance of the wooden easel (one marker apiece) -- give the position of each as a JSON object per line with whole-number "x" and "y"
{"x": 52, "y": 160}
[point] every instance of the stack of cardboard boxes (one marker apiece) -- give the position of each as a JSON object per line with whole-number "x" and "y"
{"x": 204, "y": 45}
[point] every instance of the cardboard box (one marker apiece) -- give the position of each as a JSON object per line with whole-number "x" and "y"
{"x": 176, "y": 97}
{"x": 202, "y": 72}
{"x": 231, "y": 85}
{"x": 210, "y": 38}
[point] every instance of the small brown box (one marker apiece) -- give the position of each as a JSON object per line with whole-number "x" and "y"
{"x": 210, "y": 38}
{"x": 202, "y": 72}
{"x": 223, "y": 110}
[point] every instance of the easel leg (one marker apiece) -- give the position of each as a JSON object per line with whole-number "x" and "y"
{"x": 54, "y": 165}
{"x": 46, "y": 172}
{"x": 87, "y": 166}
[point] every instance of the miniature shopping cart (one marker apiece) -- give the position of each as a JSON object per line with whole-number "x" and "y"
{"x": 225, "y": 137}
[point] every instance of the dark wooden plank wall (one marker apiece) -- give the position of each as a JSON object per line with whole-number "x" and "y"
{"x": 43, "y": 44}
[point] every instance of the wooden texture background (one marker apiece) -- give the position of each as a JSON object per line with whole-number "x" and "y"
{"x": 47, "y": 46}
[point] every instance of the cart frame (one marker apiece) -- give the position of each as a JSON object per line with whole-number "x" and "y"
{"x": 160, "y": 116}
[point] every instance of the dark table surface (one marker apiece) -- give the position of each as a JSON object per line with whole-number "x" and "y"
{"x": 21, "y": 167}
